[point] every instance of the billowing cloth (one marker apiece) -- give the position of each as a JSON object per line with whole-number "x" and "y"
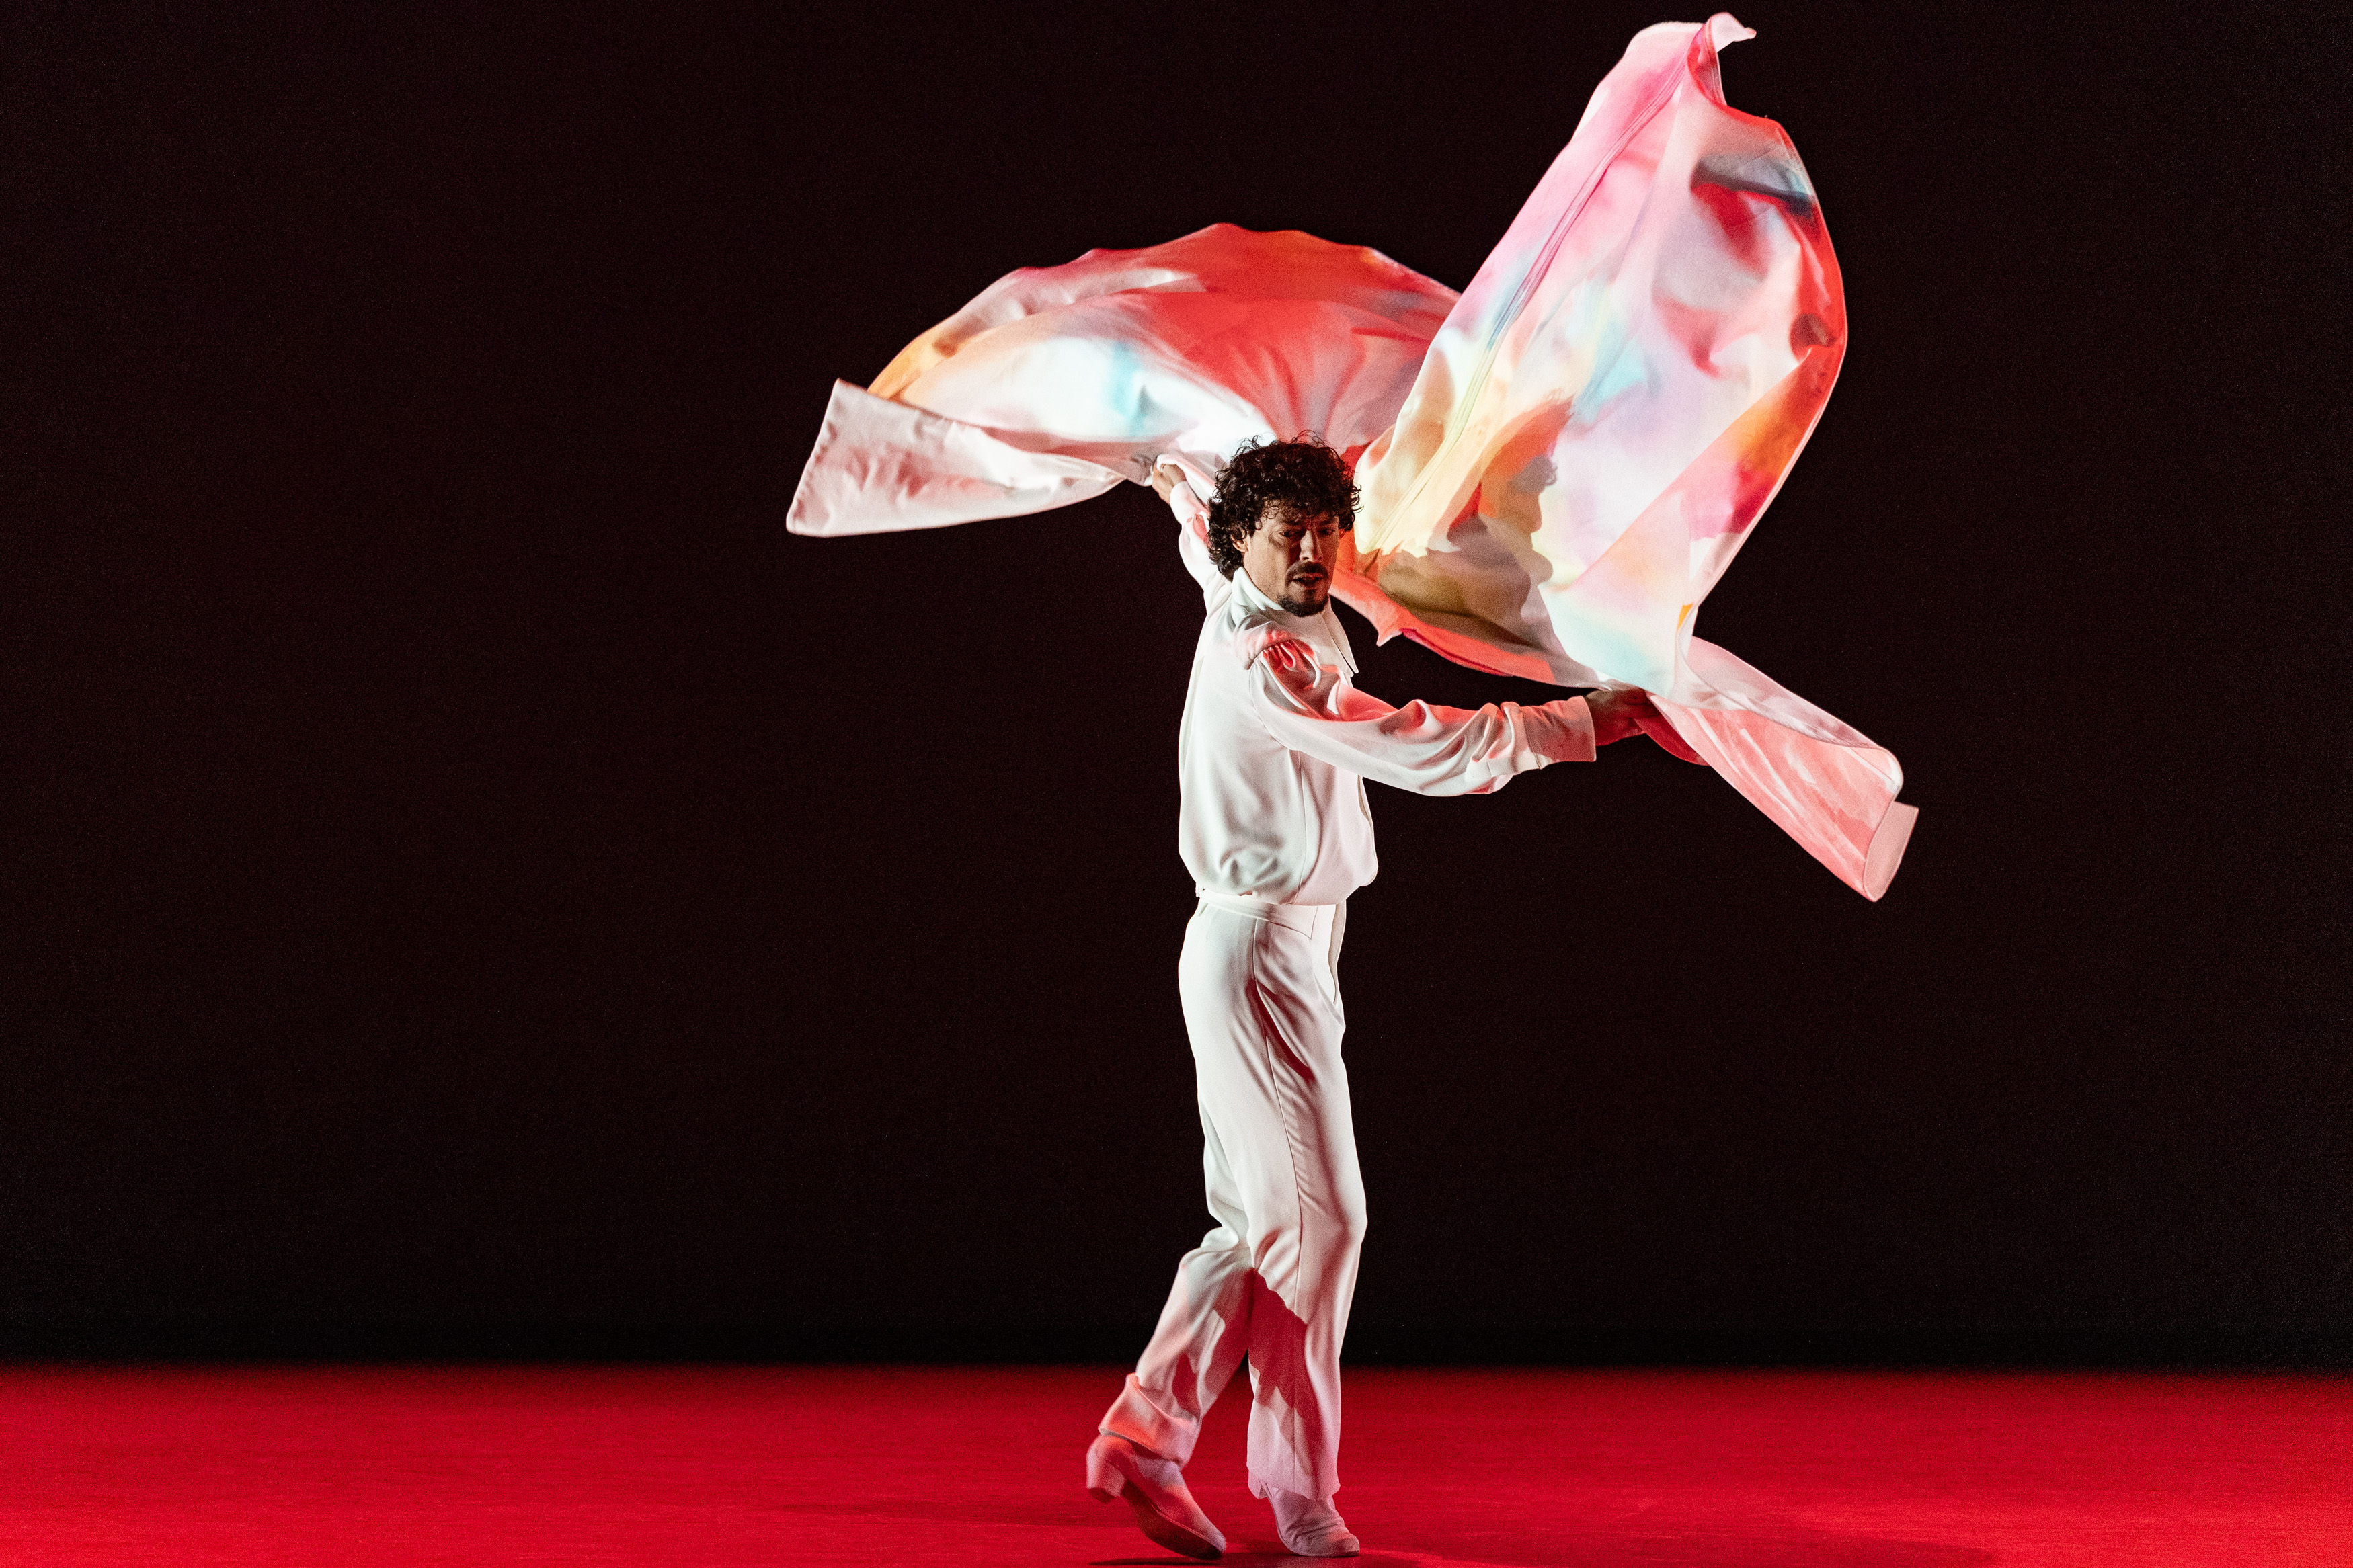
{"x": 1557, "y": 466}
{"x": 1059, "y": 382}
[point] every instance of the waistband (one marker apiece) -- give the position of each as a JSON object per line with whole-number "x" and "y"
{"x": 1297, "y": 916}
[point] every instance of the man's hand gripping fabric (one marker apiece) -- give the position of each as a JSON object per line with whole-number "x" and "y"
{"x": 1618, "y": 715}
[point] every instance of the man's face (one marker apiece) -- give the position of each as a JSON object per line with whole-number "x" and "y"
{"x": 1289, "y": 559}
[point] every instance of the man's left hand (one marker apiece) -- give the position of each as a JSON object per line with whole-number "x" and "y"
{"x": 1619, "y": 715}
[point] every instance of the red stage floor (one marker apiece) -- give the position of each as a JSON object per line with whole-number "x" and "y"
{"x": 1446, "y": 1469}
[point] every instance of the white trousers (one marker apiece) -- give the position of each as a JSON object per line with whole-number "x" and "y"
{"x": 1273, "y": 1281}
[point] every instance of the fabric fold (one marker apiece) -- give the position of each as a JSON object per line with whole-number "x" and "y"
{"x": 880, "y": 466}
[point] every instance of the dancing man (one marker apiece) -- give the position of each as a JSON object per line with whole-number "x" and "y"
{"x": 1276, "y": 831}
{"x": 1560, "y": 462}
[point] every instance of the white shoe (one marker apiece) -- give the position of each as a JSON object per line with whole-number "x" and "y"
{"x": 1310, "y": 1526}
{"x": 1155, "y": 1488}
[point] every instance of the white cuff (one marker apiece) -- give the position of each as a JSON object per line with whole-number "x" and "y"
{"x": 1559, "y": 732}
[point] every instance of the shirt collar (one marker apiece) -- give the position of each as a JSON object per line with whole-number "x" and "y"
{"x": 1323, "y": 629}
{"x": 1249, "y": 593}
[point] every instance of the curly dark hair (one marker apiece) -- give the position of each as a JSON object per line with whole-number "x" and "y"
{"x": 1304, "y": 476}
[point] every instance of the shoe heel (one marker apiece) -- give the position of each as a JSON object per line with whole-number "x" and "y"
{"x": 1104, "y": 1480}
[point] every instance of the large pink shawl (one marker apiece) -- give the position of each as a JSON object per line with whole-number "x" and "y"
{"x": 1557, "y": 466}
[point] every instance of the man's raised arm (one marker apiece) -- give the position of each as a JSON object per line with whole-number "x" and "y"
{"x": 1173, "y": 485}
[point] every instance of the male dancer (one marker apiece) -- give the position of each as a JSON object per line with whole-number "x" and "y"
{"x": 1276, "y": 831}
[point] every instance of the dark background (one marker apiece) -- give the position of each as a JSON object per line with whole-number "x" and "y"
{"x": 478, "y": 886}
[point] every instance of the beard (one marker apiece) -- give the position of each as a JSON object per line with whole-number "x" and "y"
{"x": 1296, "y": 597}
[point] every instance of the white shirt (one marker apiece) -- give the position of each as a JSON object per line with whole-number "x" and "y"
{"x": 1276, "y": 745}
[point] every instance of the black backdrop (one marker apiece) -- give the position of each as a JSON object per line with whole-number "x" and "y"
{"x": 477, "y": 884}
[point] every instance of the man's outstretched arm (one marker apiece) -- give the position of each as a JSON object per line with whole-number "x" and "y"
{"x": 1423, "y": 747}
{"x": 1432, "y": 749}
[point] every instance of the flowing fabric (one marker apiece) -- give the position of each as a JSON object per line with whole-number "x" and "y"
{"x": 1557, "y": 466}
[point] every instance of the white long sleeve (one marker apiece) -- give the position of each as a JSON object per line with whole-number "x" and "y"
{"x": 1193, "y": 527}
{"x": 1311, "y": 707}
